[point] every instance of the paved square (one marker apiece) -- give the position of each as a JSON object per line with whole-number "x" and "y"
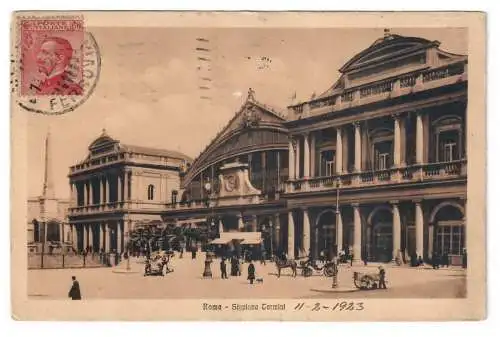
{"x": 186, "y": 282}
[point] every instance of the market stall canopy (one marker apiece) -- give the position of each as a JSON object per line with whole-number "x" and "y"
{"x": 245, "y": 238}
{"x": 220, "y": 241}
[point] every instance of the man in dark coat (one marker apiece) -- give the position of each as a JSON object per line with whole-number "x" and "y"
{"x": 223, "y": 271}
{"x": 381, "y": 279}
{"x": 74, "y": 292}
{"x": 251, "y": 272}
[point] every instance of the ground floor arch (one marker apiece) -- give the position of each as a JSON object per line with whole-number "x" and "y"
{"x": 379, "y": 234}
{"x": 326, "y": 233}
{"x": 448, "y": 229}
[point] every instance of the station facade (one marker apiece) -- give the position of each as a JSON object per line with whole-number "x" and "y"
{"x": 376, "y": 164}
{"x": 387, "y": 144}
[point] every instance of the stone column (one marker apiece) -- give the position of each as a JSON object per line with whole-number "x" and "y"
{"x": 357, "y": 147}
{"x": 313, "y": 155}
{"x": 85, "y": 193}
{"x": 85, "y": 233}
{"x": 306, "y": 236}
{"x": 241, "y": 225}
{"x": 119, "y": 237}
{"x": 357, "y": 233}
{"x": 307, "y": 159}
{"x": 106, "y": 238}
{"x": 221, "y": 227}
{"x": 396, "y": 230}
{"x": 340, "y": 231}
{"x": 74, "y": 237}
{"x": 101, "y": 190}
{"x": 419, "y": 140}
{"x": 419, "y": 229}
{"x": 91, "y": 236}
{"x": 253, "y": 227}
{"x": 74, "y": 195}
{"x": 297, "y": 159}
{"x": 263, "y": 170}
{"x": 291, "y": 160}
{"x": 126, "y": 192}
{"x": 102, "y": 233}
{"x": 291, "y": 236}
{"x": 397, "y": 141}
{"x": 106, "y": 179}
{"x": 338, "y": 152}
{"x": 91, "y": 192}
{"x": 276, "y": 234}
{"x": 119, "y": 181}
{"x": 402, "y": 128}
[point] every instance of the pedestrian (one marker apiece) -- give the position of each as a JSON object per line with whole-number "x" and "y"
{"x": 193, "y": 253}
{"x": 251, "y": 272}
{"x": 464, "y": 259}
{"x": 420, "y": 261}
{"x": 381, "y": 279}
{"x": 435, "y": 260}
{"x": 322, "y": 256}
{"x": 182, "y": 252}
{"x": 74, "y": 292}
{"x": 352, "y": 259}
{"x": 223, "y": 271}
{"x": 446, "y": 259}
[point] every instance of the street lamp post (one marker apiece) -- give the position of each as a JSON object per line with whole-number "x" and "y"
{"x": 337, "y": 213}
{"x": 337, "y": 221}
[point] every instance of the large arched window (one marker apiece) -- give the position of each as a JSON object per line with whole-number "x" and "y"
{"x": 151, "y": 192}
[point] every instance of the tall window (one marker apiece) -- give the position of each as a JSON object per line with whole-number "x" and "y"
{"x": 448, "y": 146}
{"x": 450, "y": 239}
{"x": 382, "y": 154}
{"x": 327, "y": 167}
{"x": 151, "y": 192}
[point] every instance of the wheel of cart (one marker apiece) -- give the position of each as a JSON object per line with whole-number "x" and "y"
{"x": 329, "y": 270}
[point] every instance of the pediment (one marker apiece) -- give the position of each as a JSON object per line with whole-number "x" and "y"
{"x": 251, "y": 115}
{"x": 387, "y": 48}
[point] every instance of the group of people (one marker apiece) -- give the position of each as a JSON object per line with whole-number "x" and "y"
{"x": 236, "y": 269}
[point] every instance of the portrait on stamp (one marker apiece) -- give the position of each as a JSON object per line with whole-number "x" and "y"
{"x": 52, "y": 57}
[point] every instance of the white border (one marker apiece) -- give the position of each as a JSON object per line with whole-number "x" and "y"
{"x": 12, "y": 328}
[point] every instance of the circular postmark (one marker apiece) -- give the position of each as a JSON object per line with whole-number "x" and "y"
{"x": 57, "y": 92}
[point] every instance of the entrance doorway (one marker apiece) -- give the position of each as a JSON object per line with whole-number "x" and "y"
{"x": 381, "y": 236}
{"x": 326, "y": 234}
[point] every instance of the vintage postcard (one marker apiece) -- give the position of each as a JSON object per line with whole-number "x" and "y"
{"x": 248, "y": 166}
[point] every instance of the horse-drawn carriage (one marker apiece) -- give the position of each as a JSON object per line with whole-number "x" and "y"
{"x": 157, "y": 264}
{"x": 366, "y": 281}
{"x": 310, "y": 266}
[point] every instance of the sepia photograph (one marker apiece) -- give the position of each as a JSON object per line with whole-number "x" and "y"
{"x": 288, "y": 170}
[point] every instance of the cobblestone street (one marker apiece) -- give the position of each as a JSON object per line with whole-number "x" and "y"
{"x": 186, "y": 282}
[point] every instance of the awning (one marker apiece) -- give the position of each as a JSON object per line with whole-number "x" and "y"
{"x": 252, "y": 241}
{"x": 219, "y": 241}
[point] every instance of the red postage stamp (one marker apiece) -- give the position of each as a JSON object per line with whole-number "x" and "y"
{"x": 52, "y": 56}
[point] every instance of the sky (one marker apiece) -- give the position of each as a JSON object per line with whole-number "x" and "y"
{"x": 148, "y": 92}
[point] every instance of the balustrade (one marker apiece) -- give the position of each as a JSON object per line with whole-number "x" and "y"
{"x": 431, "y": 171}
{"x": 406, "y": 81}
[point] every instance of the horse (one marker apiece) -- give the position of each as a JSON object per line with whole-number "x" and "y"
{"x": 283, "y": 264}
